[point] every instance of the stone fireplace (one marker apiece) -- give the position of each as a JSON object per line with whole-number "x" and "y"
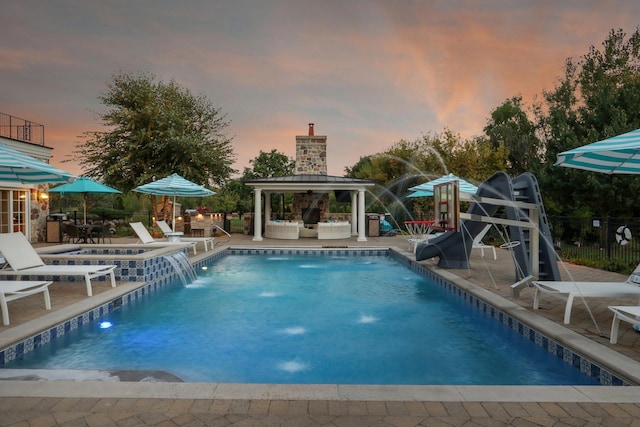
{"x": 311, "y": 159}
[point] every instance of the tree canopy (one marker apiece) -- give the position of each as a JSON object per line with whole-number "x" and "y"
{"x": 154, "y": 129}
{"x": 597, "y": 98}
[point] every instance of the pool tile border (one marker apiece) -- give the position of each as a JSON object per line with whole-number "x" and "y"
{"x": 598, "y": 373}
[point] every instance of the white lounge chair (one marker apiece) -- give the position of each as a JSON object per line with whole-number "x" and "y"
{"x": 147, "y": 239}
{"x": 629, "y": 314}
{"x": 164, "y": 227}
{"x": 477, "y": 242}
{"x": 570, "y": 290}
{"x": 23, "y": 260}
{"x": 13, "y": 289}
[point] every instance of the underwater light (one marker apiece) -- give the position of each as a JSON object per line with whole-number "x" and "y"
{"x": 204, "y": 267}
{"x": 105, "y": 325}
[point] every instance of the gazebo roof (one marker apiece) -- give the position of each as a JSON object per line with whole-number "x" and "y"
{"x": 309, "y": 182}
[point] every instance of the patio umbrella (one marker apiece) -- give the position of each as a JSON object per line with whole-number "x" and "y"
{"x": 464, "y": 186}
{"x": 19, "y": 167}
{"x": 174, "y": 185}
{"x": 85, "y": 186}
{"x": 619, "y": 154}
{"x": 421, "y": 193}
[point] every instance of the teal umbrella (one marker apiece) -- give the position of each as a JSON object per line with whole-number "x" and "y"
{"x": 174, "y": 185}
{"x": 85, "y": 186}
{"x": 619, "y": 154}
{"x": 19, "y": 167}
{"x": 421, "y": 193}
{"x": 464, "y": 186}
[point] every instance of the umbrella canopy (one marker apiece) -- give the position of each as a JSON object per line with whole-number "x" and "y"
{"x": 18, "y": 167}
{"x": 464, "y": 186}
{"x": 174, "y": 185}
{"x": 421, "y": 193}
{"x": 619, "y": 154}
{"x": 83, "y": 185}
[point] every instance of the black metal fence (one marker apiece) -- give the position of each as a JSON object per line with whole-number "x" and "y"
{"x": 611, "y": 240}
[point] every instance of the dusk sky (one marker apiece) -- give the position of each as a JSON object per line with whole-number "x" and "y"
{"x": 368, "y": 73}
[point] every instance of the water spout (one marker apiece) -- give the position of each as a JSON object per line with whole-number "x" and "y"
{"x": 181, "y": 265}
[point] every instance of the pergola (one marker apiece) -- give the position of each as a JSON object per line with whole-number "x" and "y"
{"x": 316, "y": 184}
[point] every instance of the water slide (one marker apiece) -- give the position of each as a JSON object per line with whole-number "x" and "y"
{"x": 453, "y": 248}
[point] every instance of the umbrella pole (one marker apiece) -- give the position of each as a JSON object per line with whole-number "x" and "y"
{"x": 84, "y": 205}
{"x": 173, "y": 212}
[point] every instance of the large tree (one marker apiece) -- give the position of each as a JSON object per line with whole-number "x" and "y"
{"x": 597, "y": 98}
{"x": 511, "y": 127}
{"x": 153, "y": 129}
{"x": 269, "y": 165}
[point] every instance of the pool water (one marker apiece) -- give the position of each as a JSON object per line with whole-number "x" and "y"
{"x": 307, "y": 319}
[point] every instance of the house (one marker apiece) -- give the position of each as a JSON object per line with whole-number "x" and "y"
{"x": 24, "y": 207}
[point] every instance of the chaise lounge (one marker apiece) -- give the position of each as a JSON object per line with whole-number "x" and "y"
{"x": 13, "y": 289}
{"x": 23, "y": 260}
{"x": 146, "y": 238}
{"x": 570, "y": 290}
{"x": 164, "y": 227}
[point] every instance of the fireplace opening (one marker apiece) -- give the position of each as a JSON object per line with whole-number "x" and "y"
{"x": 311, "y": 215}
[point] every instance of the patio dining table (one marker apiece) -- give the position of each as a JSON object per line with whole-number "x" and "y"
{"x": 86, "y": 233}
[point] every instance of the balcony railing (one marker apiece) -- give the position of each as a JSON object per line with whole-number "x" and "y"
{"x": 21, "y": 130}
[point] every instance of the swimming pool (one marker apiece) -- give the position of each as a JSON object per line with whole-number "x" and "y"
{"x": 251, "y": 320}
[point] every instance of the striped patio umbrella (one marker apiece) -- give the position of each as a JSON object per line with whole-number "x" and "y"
{"x": 174, "y": 185}
{"x": 19, "y": 167}
{"x": 619, "y": 154}
{"x": 464, "y": 186}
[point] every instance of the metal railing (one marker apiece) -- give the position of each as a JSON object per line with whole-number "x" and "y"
{"x": 21, "y": 130}
{"x": 611, "y": 239}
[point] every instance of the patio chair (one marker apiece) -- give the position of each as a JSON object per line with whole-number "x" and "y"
{"x": 165, "y": 228}
{"x": 23, "y": 260}
{"x": 13, "y": 289}
{"x": 71, "y": 232}
{"x": 477, "y": 242}
{"x": 570, "y": 290}
{"x": 147, "y": 239}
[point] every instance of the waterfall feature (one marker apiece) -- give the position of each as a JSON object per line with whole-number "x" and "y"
{"x": 183, "y": 268}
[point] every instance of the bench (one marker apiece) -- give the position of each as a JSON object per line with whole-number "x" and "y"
{"x": 282, "y": 230}
{"x": 334, "y": 230}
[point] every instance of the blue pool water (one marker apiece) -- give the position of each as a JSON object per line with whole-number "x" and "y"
{"x": 307, "y": 319}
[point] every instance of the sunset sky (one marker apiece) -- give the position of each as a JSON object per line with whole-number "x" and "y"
{"x": 368, "y": 73}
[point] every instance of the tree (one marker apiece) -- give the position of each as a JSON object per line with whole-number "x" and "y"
{"x": 510, "y": 126}
{"x": 235, "y": 195}
{"x": 597, "y": 98}
{"x": 153, "y": 130}
{"x": 409, "y": 163}
{"x": 269, "y": 165}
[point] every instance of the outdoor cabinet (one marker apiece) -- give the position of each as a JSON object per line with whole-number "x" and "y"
{"x": 373, "y": 225}
{"x": 54, "y": 228}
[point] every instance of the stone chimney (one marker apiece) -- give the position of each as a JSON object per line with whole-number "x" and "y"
{"x": 311, "y": 153}
{"x": 311, "y": 159}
